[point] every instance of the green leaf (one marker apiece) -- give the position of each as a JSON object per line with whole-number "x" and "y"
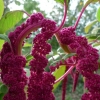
{"x": 29, "y": 57}
{"x": 60, "y": 50}
{"x": 1, "y": 44}
{"x": 3, "y": 88}
{"x": 94, "y": 1}
{"x": 87, "y": 27}
{"x": 10, "y": 20}
{"x": 17, "y": 2}
{"x": 62, "y": 1}
{"x": 1, "y": 96}
{"x": 95, "y": 30}
{"x": 5, "y": 37}
{"x": 68, "y": 55}
{"x": 1, "y": 8}
{"x": 27, "y": 72}
{"x": 98, "y": 14}
{"x": 58, "y": 73}
{"x": 92, "y": 37}
{"x": 96, "y": 44}
{"x": 26, "y": 50}
{"x": 56, "y": 58}
{"x": 27, "y": 45}
{"x": 54, "y": 63}
{"x": 98, "y": 38}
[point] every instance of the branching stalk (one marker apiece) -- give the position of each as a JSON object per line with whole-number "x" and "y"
{"x": 63, "y": 76}
{"x": 23, "y": 35}
{"x": 64, "y": 88}
{"x": 64, "y": 18}
{"x": 26, "y": 13}
{"x": 82, "y": 11}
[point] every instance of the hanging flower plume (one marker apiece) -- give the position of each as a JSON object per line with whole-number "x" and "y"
{"x": 40, "y": 84}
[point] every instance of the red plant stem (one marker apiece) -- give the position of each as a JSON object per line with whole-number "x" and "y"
{"x": 82, "y": 11}
{"x": 26, "y": 13}
{"x": 76, "y": 76}
{"x": 64, "y": 18}
{"x": 22, "y": 35}
{"x": 63, "y": 76}
{"x": 64, "y": 88}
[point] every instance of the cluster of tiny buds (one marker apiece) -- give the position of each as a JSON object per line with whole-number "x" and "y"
{"x": 42, "y": 80}
{"x": 87, "y": 61}
{"x": 40, "y": 83}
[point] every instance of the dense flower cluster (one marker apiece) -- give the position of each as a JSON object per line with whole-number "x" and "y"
{"x": 34, "y": 19}
{"x": 67, "y": 35}
{"x": 12, "y": 65}
{"x": 87, "y": 58}
{"x": 92, "y": 83}
{"x": 41, "y": 83}
{"x": 13, "y": 76}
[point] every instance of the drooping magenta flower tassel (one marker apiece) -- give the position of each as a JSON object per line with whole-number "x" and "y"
{"x": 12, "y": 63}
{"x": 13, "y": 75}
{"x": 41, "y": 83}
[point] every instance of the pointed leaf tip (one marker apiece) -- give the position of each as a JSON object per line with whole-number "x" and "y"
{"x": 98, "y": 14}
{"x": 10, "y": 19}
{"x": 58, "y": 73}
{"x": 87, "y": 27}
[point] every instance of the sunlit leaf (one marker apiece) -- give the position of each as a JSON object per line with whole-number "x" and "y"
{"x": 1, "y": 8}
{"x": 27, "y": 45}
{"x": 94, "y": 1}
{"x": 91, "y": 1}
{"x": 1, "y": 44}
{"x": 87, "y": 27}
{"x": 29, "y": 57}
{"x": 62, "y": 1}
{"x": 10, "y": 20}
{"x": 96, "y": 44}
{"x": 98, "y": 14}
{"x": 95, "y": 30}
{"x": 58, "y": 73}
